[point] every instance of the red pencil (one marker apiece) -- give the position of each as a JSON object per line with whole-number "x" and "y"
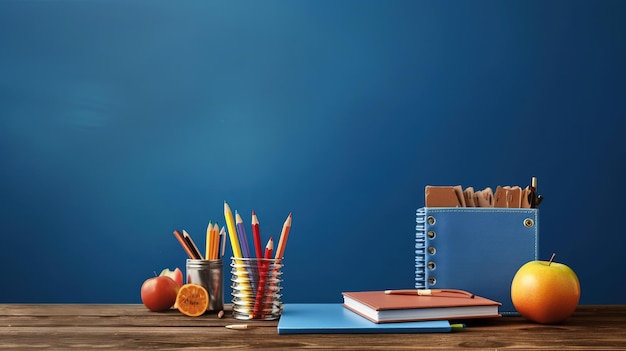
{"x": 256, "y": 234}
{"x": 263, "y": 268}
{"x": 269, "y": 248}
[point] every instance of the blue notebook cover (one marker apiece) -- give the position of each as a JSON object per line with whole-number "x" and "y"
{"x": 333, "y": 318}
{"x": 475, "y": 249}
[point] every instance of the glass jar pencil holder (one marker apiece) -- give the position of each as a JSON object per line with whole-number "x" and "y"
{"x": 256, "y": 288}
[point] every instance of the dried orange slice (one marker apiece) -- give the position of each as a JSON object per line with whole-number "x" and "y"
{"x": 192, "y": 300}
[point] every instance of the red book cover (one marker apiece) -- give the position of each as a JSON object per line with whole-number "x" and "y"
{"x": 380, "y": 307}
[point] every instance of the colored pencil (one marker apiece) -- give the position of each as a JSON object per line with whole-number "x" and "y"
{"x": 212, "y": 242}
{"x": 263, "y": 272}
{"x": 429, "y": 292}
{"x": 236, "y": 326}
{"x": 232, "y": 231}
{"x": 223, "y": 238}
{"x": 284, "y": 235}
{"x": 241, "y": 233}
{"x": 209, "y": 242}
{"x": 183, "y": 243}
{"x": 245, "y": 250}
{"x": 234, "y": 242}
{"x": 216, "y": 241}
{"x": 256, "y": 235}
{"x": 192, "y": 245}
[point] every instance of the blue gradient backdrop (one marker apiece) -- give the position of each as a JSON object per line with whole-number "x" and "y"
{"x": 123, "y": 120}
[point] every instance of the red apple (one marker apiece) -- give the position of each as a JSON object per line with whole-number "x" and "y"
{"x": 176, "y": 275}
{"x": 159, "y": 293}
{"x": 545, "y": 291}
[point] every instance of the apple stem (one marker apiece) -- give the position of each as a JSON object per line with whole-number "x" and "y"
{"x": 552, "y": 258}
{"x": 156, "y": 274}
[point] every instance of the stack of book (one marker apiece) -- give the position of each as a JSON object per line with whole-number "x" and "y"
{"x": 390, "y": 311}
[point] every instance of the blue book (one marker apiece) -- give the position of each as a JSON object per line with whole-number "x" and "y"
{"x": 333, "y": 318}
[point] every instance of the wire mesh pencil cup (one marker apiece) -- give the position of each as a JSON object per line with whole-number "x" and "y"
{"x": 256, "y": 288}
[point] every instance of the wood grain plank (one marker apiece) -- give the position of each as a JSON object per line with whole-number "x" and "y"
{"x": 119, "y": 327}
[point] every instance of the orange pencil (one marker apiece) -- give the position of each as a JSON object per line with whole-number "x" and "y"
{"x": 284, "y": 235}
{"x": 214, "y": 235}
{"x": 216, "y": 241}
{"x": 209, "y": 239}
{"x": 209, "y": 254}
{"x": 184, "y": 244}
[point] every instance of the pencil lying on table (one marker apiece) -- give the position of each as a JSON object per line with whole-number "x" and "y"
{"x": 428, "y": 292}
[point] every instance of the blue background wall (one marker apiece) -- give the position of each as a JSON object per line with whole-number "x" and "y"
{"x": 121, "y": 121}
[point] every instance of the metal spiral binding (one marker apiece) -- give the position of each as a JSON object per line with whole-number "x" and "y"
{"x": 420, "y": 248}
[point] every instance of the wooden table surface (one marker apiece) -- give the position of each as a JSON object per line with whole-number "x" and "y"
{"x": 132, "y": 327}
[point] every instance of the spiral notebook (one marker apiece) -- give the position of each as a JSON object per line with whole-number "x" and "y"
{"x": 475, "y": 249}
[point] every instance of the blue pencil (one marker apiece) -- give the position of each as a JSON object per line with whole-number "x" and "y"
{"x": 245, "y": 250}
{"x": 241, "y": 233}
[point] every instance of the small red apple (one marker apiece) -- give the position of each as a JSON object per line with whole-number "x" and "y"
{"x": 545, "y": 292}
{"x": 176, "y": 275}
{"x": 159, "y": 293}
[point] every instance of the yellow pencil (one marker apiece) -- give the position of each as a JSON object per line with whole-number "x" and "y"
{"x": 232, "y": 231}
{"x": 234, "y": 242}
